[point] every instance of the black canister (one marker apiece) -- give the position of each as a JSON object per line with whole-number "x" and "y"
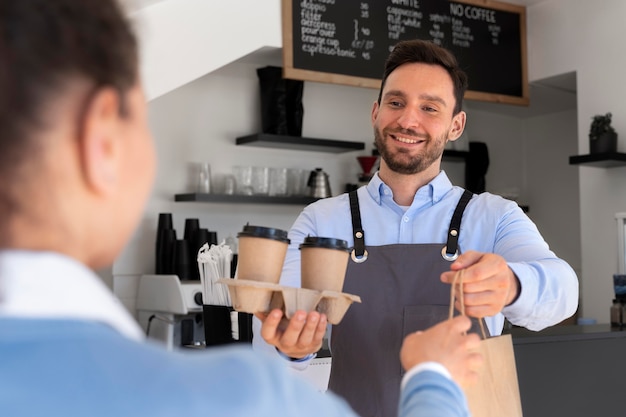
{"x": 166, "y": 252}
{"x": 181, "y": 260}
{"x": 164, "y": 225}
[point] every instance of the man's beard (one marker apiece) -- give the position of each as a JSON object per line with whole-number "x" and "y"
{"x": 400, "y": 162}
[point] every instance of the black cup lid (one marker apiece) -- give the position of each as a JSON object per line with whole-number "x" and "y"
{"x": 264, "y": 232}
{"x": 324, "y": 242}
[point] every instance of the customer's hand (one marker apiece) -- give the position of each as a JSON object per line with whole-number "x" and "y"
{"x": 488, "y": 283}
{"x": 446, "y": 343}
{"x": 298, "y": 337}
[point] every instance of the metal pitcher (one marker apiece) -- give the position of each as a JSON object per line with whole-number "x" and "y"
{"x": 318, "y": 184}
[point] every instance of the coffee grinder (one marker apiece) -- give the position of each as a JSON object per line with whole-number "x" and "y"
{"x": 170, "y": 310}
{"x": 369, "y": 165}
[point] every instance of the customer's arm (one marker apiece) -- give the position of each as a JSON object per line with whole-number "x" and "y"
{"x": 437, "y": 360}
{"x": 429, "y": 393}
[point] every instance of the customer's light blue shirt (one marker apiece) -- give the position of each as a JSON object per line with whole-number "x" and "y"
{"x": 549, "y": 286}
{"x": 68, "y": 348}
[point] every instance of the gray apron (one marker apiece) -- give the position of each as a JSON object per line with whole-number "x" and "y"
{"x": 401, "y": 293}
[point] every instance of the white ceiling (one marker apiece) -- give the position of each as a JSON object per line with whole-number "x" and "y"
{"x": 134, "y": 5}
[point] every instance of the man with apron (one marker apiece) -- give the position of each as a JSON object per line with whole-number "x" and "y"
{"x": 406, "y": 305}
{"x": 407, "y": 227}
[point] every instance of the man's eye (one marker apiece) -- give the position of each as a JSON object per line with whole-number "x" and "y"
{"x": 395, "y": 104}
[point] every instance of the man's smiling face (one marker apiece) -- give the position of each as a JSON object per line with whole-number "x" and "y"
{"x": 414, "y": 119}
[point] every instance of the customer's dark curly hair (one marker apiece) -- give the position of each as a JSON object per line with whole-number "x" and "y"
{"x": 45, "y": 47}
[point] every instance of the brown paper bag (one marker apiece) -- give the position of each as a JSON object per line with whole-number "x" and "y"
{"x": 496, "y": 393}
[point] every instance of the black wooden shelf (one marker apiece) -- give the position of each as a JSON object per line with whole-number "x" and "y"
{"x": 600, "y": 160}
{"x": 266, "y": 140}
{"x": 249, "y": 199}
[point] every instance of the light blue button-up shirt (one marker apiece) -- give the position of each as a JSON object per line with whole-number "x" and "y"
{"x": 549, "y": 286}
{"x": 69, "y": 348}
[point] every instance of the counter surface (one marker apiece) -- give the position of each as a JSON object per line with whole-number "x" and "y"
{"x": 571, "y": 370}
{"x": 566, "y": 333}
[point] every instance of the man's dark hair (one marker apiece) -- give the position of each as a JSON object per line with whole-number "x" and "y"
{"x": 426, "y": 52}
{"x": 46, "y": 44}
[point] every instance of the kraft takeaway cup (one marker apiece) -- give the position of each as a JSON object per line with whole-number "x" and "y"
{"x": 262, "y": 252}
{"x": 323, "y": 263}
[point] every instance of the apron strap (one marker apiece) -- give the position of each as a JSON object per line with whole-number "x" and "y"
{"x": 450, "y": 252}
{"x": 359, "y": 254}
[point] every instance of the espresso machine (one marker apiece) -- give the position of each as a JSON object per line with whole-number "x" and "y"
{"x": 170, "y": 311}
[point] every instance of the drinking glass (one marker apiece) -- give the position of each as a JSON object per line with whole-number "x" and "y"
{"x": 203, "y": 178}
{"x": 278, "y": 181}
{"x": 260, "y": 180}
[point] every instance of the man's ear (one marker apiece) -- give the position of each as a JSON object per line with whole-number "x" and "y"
{"x": 457, "y": 127}
{"x": 375, "y": 108}
{"x": 98, "y": 144}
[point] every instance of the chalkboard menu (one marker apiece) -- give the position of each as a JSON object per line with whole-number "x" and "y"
{"x": 347, "y": 41}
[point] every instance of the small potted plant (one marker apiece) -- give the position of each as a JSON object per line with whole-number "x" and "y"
{"x": 602, "y": 136}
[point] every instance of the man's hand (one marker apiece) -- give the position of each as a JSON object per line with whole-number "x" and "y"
{"x": 488, "y": 283}
{"x": 296, "y": 338}
{"x": 448, "y": 344}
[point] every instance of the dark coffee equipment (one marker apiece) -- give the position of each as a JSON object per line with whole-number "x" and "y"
{"x": 318, "y": 184}
{"x": 281, "y": 102}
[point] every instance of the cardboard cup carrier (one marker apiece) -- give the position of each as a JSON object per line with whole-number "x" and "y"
{"x": 261, "y": 256}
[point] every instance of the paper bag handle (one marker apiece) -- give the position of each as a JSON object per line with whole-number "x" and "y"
{"x": 458, "y": 279}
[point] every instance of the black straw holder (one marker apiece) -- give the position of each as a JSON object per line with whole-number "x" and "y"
{"x": 218, "y": 325}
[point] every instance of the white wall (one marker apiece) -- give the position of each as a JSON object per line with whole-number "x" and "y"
{"x": 584, "y": 36}
{"x": 504, "y": 138}
{"x": 181, "y": 41}
{"x": 553, "y": 186}
{"x": 531, "y": 152}
{"x": 201, "y": 101}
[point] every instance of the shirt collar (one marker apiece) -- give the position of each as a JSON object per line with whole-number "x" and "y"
{"x": 436, "y": 189}
{"x": 48, "y": 285}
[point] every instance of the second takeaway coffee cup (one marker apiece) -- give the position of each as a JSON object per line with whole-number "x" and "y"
{"x": 261, "y": 254}
{"x": 323, "y": 263}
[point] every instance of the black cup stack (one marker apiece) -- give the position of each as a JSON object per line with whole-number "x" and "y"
{"x": 165, "y": 245}
{"x": 186, "y": 257}
{"x": 180, "y": 256}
